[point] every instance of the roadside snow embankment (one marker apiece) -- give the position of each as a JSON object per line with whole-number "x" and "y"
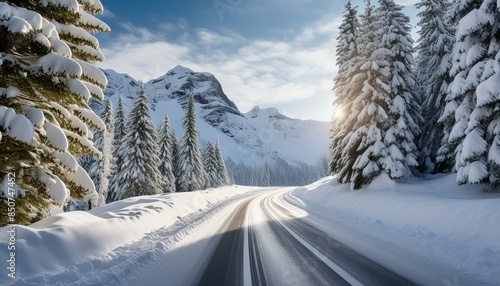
{"x": 457, "y": 226}
{"x": 49, "y": 246}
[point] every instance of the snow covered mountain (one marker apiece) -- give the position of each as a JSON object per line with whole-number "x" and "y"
{"x": 260, "y": 134}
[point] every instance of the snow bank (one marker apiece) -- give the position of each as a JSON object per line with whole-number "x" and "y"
{"x": 457, "y": 226}
{"x": 48, "y": 247}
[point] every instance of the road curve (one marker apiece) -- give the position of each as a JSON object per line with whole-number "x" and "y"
{"x": 263, "y": 243}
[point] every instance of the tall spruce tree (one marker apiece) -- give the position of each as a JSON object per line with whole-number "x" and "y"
{"x": 212, "y": 177}
{"x": 191, "y": 175}
{"x": 118, "y": 135}
{"x": 139, "y": 174}
{"x": 362, "y": 86}
{"x": 473, "y": 96}
{"x": 215, "y": 169}
{"x": 46, "y": 81}
{"x": 343, "y": 158}
{"x": 165, "y": 148}
{"x": 432, "y": 67}
{"x": 175, "y": 157}
{"x": 405, "y": 112}
{"x": 100, "y": 169}
{"x": 221, "y": 165}
{"x": 384, "y": 115}
{"x": 347, "y": 52}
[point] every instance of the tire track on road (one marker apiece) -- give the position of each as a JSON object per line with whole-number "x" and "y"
{"x": 226, "y": 265}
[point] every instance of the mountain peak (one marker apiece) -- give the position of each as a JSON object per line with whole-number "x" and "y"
{"x": 269, "y": 135}
{"x": 269, "y": 112}
{"x": 178, "y": 69}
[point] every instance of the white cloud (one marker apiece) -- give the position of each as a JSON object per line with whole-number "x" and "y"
{"x": 107, "y": 14}
{"x": 143, "y": 61}
{"x": 207, "y": 37}
{"x": 283, "y": 74}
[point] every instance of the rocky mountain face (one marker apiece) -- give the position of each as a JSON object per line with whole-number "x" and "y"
{"x": 251, "y": 138}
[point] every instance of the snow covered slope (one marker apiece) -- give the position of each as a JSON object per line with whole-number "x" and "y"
{"x": 455, "y": 226}
{"x": 261, "y": 134}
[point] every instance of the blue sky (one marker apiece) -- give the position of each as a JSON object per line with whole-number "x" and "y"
{"x": 278, "y": 53}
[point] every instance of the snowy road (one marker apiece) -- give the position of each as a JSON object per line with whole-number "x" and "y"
{"x": 262, "y": 240}
{"x": 321, "y": 234}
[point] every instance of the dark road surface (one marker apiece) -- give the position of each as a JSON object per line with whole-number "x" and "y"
{"x": 284, "y": 250}
{"x": 225, "y": 267}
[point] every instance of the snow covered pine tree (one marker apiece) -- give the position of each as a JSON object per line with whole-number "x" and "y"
{"x": 165, "y": 143}
{"x": 100, "y": 169}
{"x": 382, "y": 120}
{"x": 215, "y": 168}
{"x": 404, "y": 109}
{"x": 221, "y": 165}
{"x": 432, "y": 67}
{"x": 348, "y": 101}
{"x": 119, "y": 134}
{"x": 347, "y": 53}
{"x": 175, "y": 157}
{"x": 212, "y": 177}
{"x": 139, "y": 174}
{"x": 46, "y": 82}
{"x": 474, "y": 94}
{"x": 190, "y": 175}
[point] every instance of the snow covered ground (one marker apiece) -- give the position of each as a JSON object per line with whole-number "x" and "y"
{"x": 101, "y": 246}
{"x": 428, "y": 230}
{"x": 455, "y": 226}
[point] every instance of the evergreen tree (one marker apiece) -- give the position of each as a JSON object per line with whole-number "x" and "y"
{"x": 118, "y": 135}
{"x": 384, "y": 115}
{"x": 460, "y": 8}
{"x": 221, "y": 165}
{"x": 265, "y": 179}
{"x": 191, "y": 174}
{"x": 342, "y": 156}
{"x": 473, "y": 95}
{"x": 405, "y": 112}
{"x": 46, "y": 81}
{"x": 361, "y": 89}
{"x": 215, "y": 169}
{"x": 100, "y": 169}
{"x": 432, "y": 65}
{"x": 347, "y": 52}
{"x": 175, "y": 158}
{"x": 165, "y": 143}
{"x": 212, "y": 177}
{"x": 139, "y": 174}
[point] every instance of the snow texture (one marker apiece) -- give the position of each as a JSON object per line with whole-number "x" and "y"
{"x": 82, "y": 179}
{"x": 56, "y": 136}
{"x": 431, "y": 222}
{"x": 57, "y": 65}
{"x": 16, "y": 125}
{"x": 433, "y": 218}
{"x": 56, "y": 188}
{"x": 64, "y": 246}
